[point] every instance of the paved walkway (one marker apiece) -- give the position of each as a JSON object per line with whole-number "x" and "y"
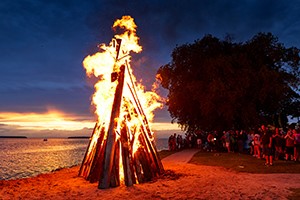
{"x": 183, "y": 156}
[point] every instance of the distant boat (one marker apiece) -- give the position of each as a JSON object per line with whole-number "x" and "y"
{"x": 45, "y": 139}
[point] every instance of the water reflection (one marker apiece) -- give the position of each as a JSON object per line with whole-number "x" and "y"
{"x": 21, "y": 158}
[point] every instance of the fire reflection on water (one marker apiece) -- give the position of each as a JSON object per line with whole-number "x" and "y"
{"x": 22, "y": 158}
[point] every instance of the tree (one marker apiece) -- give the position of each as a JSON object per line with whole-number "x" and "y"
{"x": 216, "y": 85}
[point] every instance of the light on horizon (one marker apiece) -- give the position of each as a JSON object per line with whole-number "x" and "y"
{"x": 58, "y": 120}
{"x": 44, "y": 121}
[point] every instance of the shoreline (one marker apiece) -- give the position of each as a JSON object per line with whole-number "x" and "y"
{"x": 181, "y": 181}
{"x": 24, "y": 158}
{"x": 47, "y": 172}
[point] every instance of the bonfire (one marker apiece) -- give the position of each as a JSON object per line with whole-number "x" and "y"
{"x": 122, "y": 148}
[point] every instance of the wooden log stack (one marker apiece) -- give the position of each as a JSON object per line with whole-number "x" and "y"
{"x": 111, "y": 158}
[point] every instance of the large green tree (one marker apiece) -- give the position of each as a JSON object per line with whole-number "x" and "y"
{"x": 218, "y": 84}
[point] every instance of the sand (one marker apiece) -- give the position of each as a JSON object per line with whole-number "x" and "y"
{"x": 181, "y": 181}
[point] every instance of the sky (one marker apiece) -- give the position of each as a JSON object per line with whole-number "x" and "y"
{"x": 44, "y": 91}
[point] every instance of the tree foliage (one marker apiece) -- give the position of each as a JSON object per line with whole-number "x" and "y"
{"x": 218, "y": 84}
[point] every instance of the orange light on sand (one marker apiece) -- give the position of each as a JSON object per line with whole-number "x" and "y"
{"x": 137, "y": 104}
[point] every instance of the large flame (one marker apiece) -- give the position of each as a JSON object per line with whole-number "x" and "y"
{"x": 108, "y": 60}
{"x": 103, "y": 63}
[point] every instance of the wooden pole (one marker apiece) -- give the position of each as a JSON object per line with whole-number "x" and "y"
{"x": 90, "y": 155}
{"x": 93, "y": 153}
{"x": 138, "y": 167}
{"x": 101, "y": 162}
{"x": 114, "y": 176}
{"x": 111, "y": 135}
{"x": 146, "y": 124}
{"x": 126, "y": 157}
{"x": 147, "y": 175}
{"x": 153, "y": 152}
{"x": 87, "y": 150}
{"x": 146, "y": 131}
{"x": 96, "y": 167}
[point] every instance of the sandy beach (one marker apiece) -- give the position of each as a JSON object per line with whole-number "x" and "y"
{"x": 181, "y": 181}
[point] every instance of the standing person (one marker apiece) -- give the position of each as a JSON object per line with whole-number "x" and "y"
{"x": 277, "y": 138}
{"x": 211, "y": 141}
{"x": 227, "y": 140}
{"x": 256, "y": 145}
{"x": 234, "y": 140}
{"x": 296, "y": 136}
{"x": 266, "y": 140}
{"x": 199, "y": 141}
{"x": 170, "y": 141}
{"x": 289, "y": 145}
{"x": 179, "y": 142}
{"x": 240, "y": 139}
{"x": 251, "y": 142}
{"x": 174, "y": 146}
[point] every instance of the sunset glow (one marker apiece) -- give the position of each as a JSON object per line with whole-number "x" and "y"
{"x": 42, "y": 121}
{"x": 61, "y": 121}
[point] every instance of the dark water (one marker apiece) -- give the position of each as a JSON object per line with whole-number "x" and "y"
{"x": 20, "y": 158}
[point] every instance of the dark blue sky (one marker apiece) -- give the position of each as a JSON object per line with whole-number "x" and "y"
{"x": 43, "y": 42}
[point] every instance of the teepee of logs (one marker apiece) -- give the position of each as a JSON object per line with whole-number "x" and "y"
{"x": 122, "y": 149}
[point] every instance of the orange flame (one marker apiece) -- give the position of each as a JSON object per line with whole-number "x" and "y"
{"x": 137, "y": 104}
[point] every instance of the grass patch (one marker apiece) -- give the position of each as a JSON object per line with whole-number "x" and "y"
{"x": 244, "y": 163}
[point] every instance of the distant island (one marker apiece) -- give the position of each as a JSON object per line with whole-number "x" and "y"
{"x": 13, "y": 137}
{"x": 79, "y": 137}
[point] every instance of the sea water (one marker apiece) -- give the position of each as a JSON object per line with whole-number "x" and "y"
{"x": 21, "y": 158}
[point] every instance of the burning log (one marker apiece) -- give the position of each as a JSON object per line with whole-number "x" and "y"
{"x": 121, "y": 149}
{"x": 129, "y": 178}
{"x": 92, "y": 159}
{"x": 114, "y": 176}
{"x": 96, "y": 169}
{"x": 146, "y": 125}
{"x": 103, "y": 162}
{"x": 83, "y": 164}
{"x": 111, "y": 135}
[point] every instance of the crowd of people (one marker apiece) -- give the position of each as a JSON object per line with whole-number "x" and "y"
{"x": 269, "y": 143}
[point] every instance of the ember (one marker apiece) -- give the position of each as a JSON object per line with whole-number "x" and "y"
{"x": 121, "y": 148}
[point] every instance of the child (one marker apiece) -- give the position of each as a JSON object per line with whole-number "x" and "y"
{"x": 256, "y": 144}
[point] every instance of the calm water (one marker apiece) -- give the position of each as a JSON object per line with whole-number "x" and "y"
{"x": 20, "y": 158}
